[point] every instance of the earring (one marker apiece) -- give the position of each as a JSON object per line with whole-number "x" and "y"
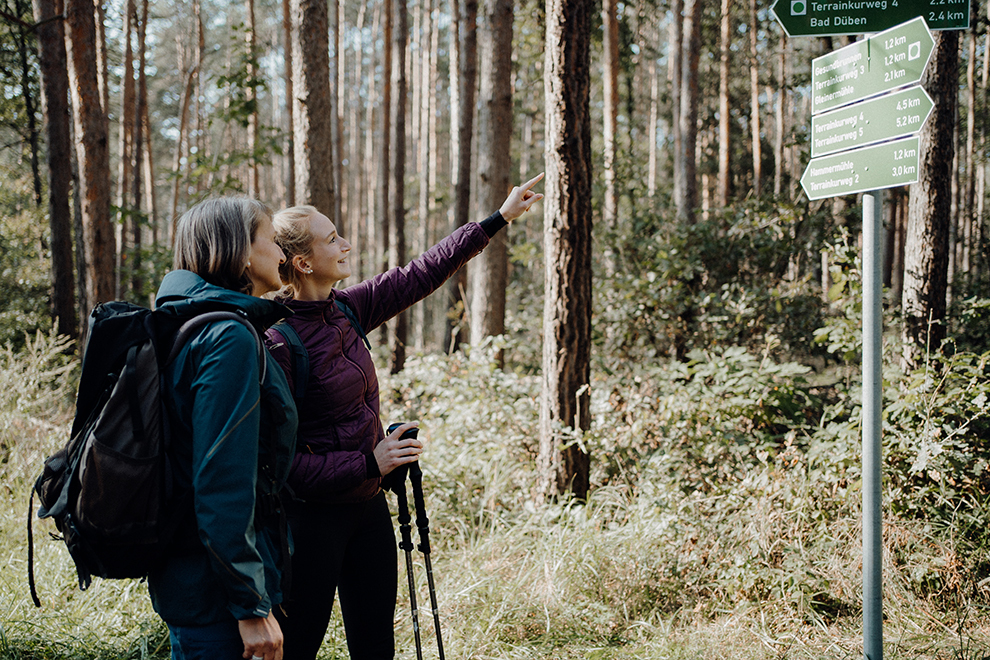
{"x": 309, "y": 271}
{"x": 248, "y": 265}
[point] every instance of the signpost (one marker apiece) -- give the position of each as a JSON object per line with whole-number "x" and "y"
{"x": 888, "y": 60}
{"x": 883, "y": 118}
{"x": 883, "y": 165}
{"x": 854, "y": 110}
{"x": 823, "y": 18}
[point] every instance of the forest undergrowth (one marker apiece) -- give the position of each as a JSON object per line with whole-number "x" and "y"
{"x": 724, "y": 521}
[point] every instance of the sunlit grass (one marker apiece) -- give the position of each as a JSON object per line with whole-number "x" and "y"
{"x": 763, "y": 566}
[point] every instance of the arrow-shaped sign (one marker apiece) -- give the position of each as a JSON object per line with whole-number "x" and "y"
{"x": 886, "y": 117}
{"x": 894, "y": 58}
{"x": 803, "y": 18}
{"x": 883, "y": 165}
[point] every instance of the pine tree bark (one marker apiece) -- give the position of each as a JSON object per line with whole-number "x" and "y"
{"x": 251, "y": 43}
{"x": 55, "y": 97}
{"x": 488, "y": 273}
{"x": 467, "y": 75}
{"x": 724, "y": 124}
{"x": 187, "y": 94}
{"x": 421, "y": 128}
{"x": 136, "y": 216}
{"x": 27, "y": 94}
{"x": 290, "y": 150}
{"x": 686, "y": 177}
{"x": 125, "y": 136}
{"x": 780, "y": 118}
{"x": 754, "y": 99}
{"x": 927, "y": 242}
{"x": 312, "y": 113}
{"x": 675, "y": 47}
{"x": 91, "y": 136}
{"x": 563, "y": 463}
{"x": 610, "y": 78}
{"x": 400, "y": 336}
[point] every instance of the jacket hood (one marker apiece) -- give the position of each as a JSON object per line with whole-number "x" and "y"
{"x": 186, "y": 293}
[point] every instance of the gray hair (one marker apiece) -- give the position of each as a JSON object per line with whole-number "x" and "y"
{"x": 213, "y": 239}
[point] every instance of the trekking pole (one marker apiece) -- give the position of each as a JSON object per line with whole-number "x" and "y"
{"x": 423, "y": 525}
{"x": 405, "y": 530}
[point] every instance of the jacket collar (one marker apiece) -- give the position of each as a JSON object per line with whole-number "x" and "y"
{"x": 309, "y": 307}
{"x": 185, "y": 293}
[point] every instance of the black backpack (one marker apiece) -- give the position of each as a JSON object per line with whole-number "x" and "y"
{"x": 110, "y": 489}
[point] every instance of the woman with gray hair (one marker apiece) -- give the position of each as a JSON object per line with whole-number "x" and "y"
{"x": 233, "y": 439}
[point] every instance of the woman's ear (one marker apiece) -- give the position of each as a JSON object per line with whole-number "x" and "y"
{"x": 299, "y": 263}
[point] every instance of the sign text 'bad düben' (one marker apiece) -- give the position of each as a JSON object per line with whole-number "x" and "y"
{"x": 806, "y": 18}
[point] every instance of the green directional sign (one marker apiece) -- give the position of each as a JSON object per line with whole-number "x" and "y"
{"x": 805, "y": 18}
{"x": 890, "y": 59}
{"x": 883, "y": 165}
{"x": 886, "y": 117}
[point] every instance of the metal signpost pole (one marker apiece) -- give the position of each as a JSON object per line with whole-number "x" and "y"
{"x": 872, "y": 409}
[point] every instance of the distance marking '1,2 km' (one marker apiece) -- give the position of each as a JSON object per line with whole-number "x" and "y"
{"x": 890, "y": 59}
{"x": 874, "y": 167}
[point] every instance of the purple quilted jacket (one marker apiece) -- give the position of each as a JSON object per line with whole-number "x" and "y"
{"x": 339, "y": 423}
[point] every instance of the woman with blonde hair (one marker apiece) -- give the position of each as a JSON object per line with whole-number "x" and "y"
{"x": 233, "y": 439}
{"x": 341, "y": 527}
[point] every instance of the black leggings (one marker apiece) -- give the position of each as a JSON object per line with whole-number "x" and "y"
{"x": 348, "y": 548}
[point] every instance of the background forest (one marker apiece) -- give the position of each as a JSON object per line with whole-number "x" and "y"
{"x": 719, "y": 512}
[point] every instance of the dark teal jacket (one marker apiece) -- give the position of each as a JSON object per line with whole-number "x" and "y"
{"x": 232, "y": 448}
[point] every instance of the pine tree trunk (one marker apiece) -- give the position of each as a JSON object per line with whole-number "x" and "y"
{"x": 290, "y": 149}
{"x": 652, "y": 132}
{"x": 383, "y": 225}
{"x": 397, "y": 186}
{"x": 55, "y": 96}
{"x": 675, "y": 47}
{"x": 370, "y": 223}
{"x": 754, "y": 91}
{"x": 125, "y": 137}
{"x": 610, "y": 78}
{"x": 927, "y": 242}
{"x": 725, "y": 45}
{"x": 91, "y": 137}
{"x": 27, "y": 94}
{"x": 136, "y": 217}
{"x": 488, "y": 273}
{"x": 467, "y": 71}
{"x": 564, "y": 465}
{"x": 780, "y": 114}
{"x": 312, "y": 112}
{"x": 421, "y": 129}
{"x": 102, "y": 61}
{"x": 254, "y": 180}
{"x": 336, "y": 124}
{"x": 686, "y": 177}
{"x": 187, "y": 94}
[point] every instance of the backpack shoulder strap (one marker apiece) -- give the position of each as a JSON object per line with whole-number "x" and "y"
{"x": 190, "y": 326}
{"x": 352, "y": 317}
{"x": 300, "y": 358}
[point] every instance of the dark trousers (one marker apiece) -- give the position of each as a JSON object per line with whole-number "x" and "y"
{"x": 348, "y": 549}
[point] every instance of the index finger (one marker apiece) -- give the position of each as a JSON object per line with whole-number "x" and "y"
{"x": 532, "y": 182}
